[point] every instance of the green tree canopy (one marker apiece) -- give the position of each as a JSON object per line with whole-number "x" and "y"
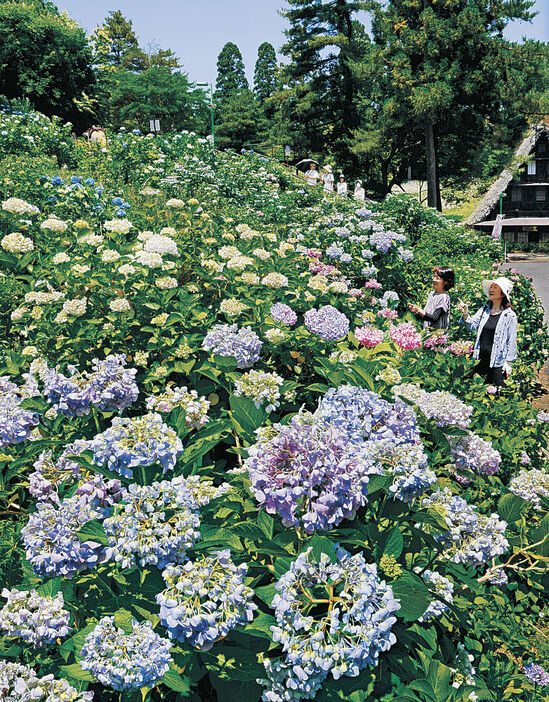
{"x": 265, "y": 73}
{"x": 237, "y": 119}
{"x": 45, "y": 57}
{"x": 116, "y": 46}
{"x": 230, "y": 72}
{"x": 444, "y": 63}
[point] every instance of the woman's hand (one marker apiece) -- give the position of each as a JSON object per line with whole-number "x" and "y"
{"x": 414, "y": 308}
{"x": 463, "y": 308}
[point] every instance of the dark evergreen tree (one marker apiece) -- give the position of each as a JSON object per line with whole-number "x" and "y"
{"x": 230, "y": 72}
{"x": 238, "y": 119}
{"x": 265, "y": 73}
{"x": 444, "y": 62}
{"x": 320, "y": 91}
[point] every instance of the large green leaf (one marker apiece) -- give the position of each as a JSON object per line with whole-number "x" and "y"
{"x": 511, "y": 507}
{"x": 75, "y": 672}
{"x": 247, "y": 414}
{"x": 93, "y": 531}
{"x": 413, "y": 595}
{"x": 177, "y": 682}
{"x": 393, "y": 542}
{"x": 50, "y": 588}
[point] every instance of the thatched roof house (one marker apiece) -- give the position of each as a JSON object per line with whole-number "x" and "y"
{"x": 526, "y": 194}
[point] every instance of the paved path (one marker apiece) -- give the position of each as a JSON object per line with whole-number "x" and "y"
{"x": 537, "y": 268}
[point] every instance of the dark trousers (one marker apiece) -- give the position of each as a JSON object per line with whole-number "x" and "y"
{"x": 493, "y": 376}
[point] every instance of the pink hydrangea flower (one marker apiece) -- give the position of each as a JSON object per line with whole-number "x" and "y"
{"x": 491, "y": 390}
{"x": 461, "y": 348}
{"x": 369, "y": 336}
{"x": 355, "y": 292}
{"x": 405, "y": 336}
{"x": 314, "y": 253}
{"x": 387, "y": 313}
{"x": 373, "y": 284}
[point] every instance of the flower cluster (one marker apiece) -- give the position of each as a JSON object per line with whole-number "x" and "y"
{"x": 348, "y": 634}
{"x": 16, "y": 423}
{"x": 36, "y": 619}
{"x": 365, "y": 416}
{"x": 531, "y": 485}
{"x": 442, "y": 588}
{"x": 17, "y": 243}
{"x": 50, "y": 536}
{"x": 309, "y": 474}
{"x": 229, "y": 340}
{"x": 153, "y": 524}
{"x": 20, "y": 683}
{"x": 196, "y": 408}
{"x": 110, "y": 387}
{"x": 49, "y": 474}
{"x": 405, "y": 336}
{"x": 327, "y": 323}
{"x": 125, "y": 661}
{"x": 261, "y": 387}
{"x": 16, "y": 206}
{"x": 369, "y": 336}
{"x": 141, "y": 441}
{"x": 441, "y": 406}
{"x": 283, "y": 314}
{"x": 205, "y": 599}
{"x": 536, "y": 674}
{"x": 407, "y": 463}
{"x": 471, "y": 452}
{"x": 471, "y": 538}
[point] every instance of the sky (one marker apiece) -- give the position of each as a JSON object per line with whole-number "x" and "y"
{"x": 196, "y": 30}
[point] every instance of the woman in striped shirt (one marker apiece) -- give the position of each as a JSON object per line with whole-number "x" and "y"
{"x": 436, "y": 313}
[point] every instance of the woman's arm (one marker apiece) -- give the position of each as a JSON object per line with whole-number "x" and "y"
{"x": 512, "y": 339}
{"x": 472, "y": 323}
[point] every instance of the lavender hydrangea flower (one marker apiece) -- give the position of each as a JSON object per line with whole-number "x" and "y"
{"x": 34, "y": 618}
{"x": 204, "y": 600}
{"x": 364, "y": 415}
{"x": 283, "y": 314}
{"x": 287, "y": 683}
{"x": 443, "y": 588}
{"x": 110, "y": 387}
{"x": 474, "y": 453}
{"x": 531, "y": 485}
{"x": 472, "y": 538}
{"x": 20, "y": 683}
{"x": 229, "y": 340}
{"x": 16, "y": 423}
{"x": 141, "y": 441}
{"x": 153, "y": 524}
{"x": 125, "y": 661}
{"x": 351, "y": 632}
{"x": 327, "y": 322}
{"x": 407, "y": 463}
{"x": 48, "y": 474}
{"x": 50, "y": 536}
{"x": 310, "y": 474}
{"x": 536, "y": 674}
{"x": 334, "y": 251}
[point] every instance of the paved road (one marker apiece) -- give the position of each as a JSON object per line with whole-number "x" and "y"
{"x": 538, "y": 270}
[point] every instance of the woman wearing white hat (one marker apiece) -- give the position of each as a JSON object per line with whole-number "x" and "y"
{"x": 328, "y": 179}
{"x": 496, "y": 327}
{"x": 359, "y": 193}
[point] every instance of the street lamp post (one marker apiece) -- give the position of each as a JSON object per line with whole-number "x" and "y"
{"x": 205, "y": 87}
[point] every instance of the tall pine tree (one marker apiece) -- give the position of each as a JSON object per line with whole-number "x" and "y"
{"x": 265, "y": 73}
{"x": 230, "y": 72}
{"x": 116, "y": 46}
{"x": 319, "y": 84}
{"x": 443, "y": 58}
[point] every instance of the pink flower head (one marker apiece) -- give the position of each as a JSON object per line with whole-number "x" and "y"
{"x": 322, "y": 268}
{"x": 525, "y": 458}
{"x": 405, "y": 336}
{"x": 496, "y": 265}
{"x": 461, "y": 348}
{"x": 355, "y": 292}
{"x": 314, "y": 253}
{"x": 369, "y": 336}
{"x": 387, "y": 313}
{"x": 373, "y": 284}
{"x": 439, "y": 338}
{"x": 491, "y": 390}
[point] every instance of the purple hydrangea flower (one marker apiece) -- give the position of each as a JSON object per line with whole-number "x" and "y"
{"x": 283, "y": 314}
{"x": 16, "y": 423}
{"x": 474, "y": 453}
{"x": 536, "y": 674}
{"x": 229, "y": 340}
{"x": 327, "y": 322}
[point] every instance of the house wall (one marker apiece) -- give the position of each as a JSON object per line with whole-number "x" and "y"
{"x": 527, "y": 195}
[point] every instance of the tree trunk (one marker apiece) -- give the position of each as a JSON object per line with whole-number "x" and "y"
{"x": 433, "y": 185}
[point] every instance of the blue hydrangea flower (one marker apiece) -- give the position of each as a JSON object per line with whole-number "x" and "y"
{"x": 16, "y": 423}
{"x": 125, "y": 661}
{"x": 327, "y": 322}
{"x": 283, "y": 314}
{"x": 229, "y": 340}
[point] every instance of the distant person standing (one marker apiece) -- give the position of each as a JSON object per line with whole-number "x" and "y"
{"x": 312, "y": 175}
{"x": 359, "y": 193}
{"x": 342, "y": 185}
{"x": 328, "y": 179}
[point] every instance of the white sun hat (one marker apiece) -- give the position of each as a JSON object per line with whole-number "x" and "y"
{"x": 504, "y": 283}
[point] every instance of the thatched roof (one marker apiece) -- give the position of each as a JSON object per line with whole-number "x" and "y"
{"x": 490, "y": 200}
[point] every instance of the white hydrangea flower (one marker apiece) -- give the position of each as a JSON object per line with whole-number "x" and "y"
{"x": 160, "y": 244}
{"x": 148, "y": 259}
{"x": 109, "y": 255}
{"x": 92, "y": 239}
{"x": 166, "y": 283}
{"x": 263, "y": 254}
{"x": 127, "y": 269}
{"x": 175, "y": 203}
{"x": 120, "y": 304}
{"x": 227, "y": 252}
{"x": 275, "y": 336}
{"x": 119, "y": 226}
{"x": 60, "y": 257}
{"x": 53, "y": 224}
{"x": 17, "y": 243}
{"x": 239, "y": 263}
{"x": 15, "y": 205}
{"x": 76, "y": 308}
{"x": 232, "y": 307}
